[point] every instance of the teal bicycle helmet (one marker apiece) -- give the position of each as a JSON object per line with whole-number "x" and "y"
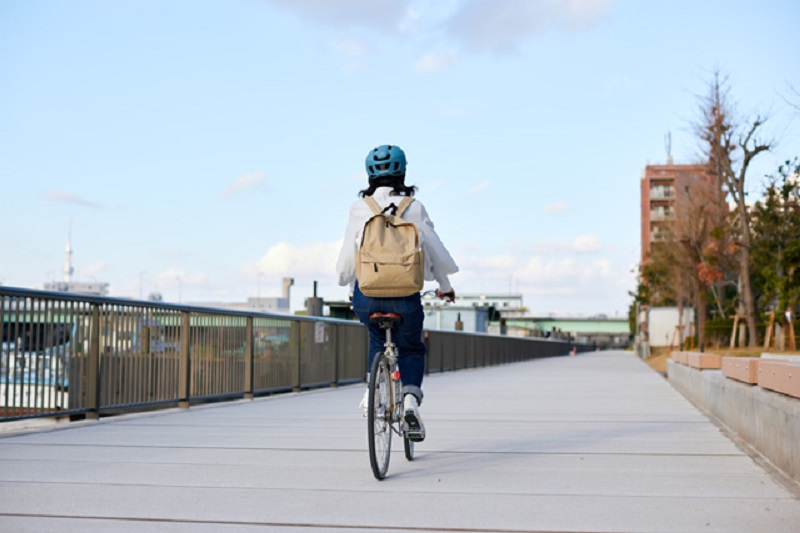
{"x": 385, "y": 160}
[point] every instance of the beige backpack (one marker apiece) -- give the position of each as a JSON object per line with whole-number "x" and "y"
{"x": 389, "y": 262}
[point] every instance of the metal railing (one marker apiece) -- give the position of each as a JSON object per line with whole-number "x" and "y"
{"x": 67, "y": 354}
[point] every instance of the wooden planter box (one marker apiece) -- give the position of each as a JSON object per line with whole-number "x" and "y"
{"x": 704, "y": 360}
{"x": 741, "y": 369}
{"x": 780, "y": 376}
{"x": 699, "y": 360}
{"x": 679, "y": 357}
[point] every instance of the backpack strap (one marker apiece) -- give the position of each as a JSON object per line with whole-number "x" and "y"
{"x": 404, "y": 203}
{"x": 376, "y": 208}
{"x": 373, "y": 205}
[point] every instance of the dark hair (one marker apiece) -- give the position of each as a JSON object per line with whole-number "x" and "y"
{"x": 398, "y": 183}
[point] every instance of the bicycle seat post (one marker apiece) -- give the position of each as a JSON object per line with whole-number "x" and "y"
{"x": 388, "y": 335}
{"x": 387, "y": 322}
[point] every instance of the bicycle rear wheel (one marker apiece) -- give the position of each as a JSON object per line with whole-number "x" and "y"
{"x": 408, "y": 446}
{"x": 379, "y": 417}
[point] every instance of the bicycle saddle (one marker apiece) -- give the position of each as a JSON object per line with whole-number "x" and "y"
{"x": 384, "y": 320}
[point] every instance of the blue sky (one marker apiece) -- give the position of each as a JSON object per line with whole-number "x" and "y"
{"x": 204, "y": 149}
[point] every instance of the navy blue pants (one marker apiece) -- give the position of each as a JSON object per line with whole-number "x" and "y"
{"x": 407, "y": 336}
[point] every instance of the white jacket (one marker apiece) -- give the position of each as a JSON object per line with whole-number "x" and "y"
{"x": 438, "y": 262}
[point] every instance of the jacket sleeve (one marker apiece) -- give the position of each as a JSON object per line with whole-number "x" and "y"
{"x": 346, "y": 265}
{"x": 439, "y": 264}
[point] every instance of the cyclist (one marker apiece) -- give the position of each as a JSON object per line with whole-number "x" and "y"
{"x": 386, "y": 170}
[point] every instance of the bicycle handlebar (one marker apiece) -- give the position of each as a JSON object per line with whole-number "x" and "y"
{"x": 449, "y": 296}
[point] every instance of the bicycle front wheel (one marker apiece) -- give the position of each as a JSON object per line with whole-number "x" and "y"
{"x": 379, "y": 417}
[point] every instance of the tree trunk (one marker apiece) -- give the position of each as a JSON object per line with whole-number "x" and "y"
{"x": 702, "y": 309}
{"x": 744, "y": 269}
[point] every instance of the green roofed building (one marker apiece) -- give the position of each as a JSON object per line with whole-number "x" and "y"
{"x": 605, "y": 332}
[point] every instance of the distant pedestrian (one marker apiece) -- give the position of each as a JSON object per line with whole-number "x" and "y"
{"x": 386, "y": 170}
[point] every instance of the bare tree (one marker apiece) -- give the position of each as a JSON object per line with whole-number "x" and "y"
{"x": 793, "y": 99}
{"x": 700, "y": 216}
{"x": 731, "y": 144}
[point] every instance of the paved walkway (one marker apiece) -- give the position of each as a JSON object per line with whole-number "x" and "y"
{"x": 597, "y": 442}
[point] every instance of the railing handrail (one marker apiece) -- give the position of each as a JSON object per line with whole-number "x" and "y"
{"x": 110, "y": 300}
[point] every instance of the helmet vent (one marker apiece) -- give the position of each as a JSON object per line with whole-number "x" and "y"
{"x": 385, "y": 160}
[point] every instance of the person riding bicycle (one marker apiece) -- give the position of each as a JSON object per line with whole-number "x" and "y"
{"x": 386, "y": 170}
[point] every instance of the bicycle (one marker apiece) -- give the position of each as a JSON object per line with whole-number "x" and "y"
{"x": 385, "y": 405}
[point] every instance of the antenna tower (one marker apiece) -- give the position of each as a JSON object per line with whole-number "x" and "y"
{"x": 668, "y": 146}
{"x": 68, "y": 270}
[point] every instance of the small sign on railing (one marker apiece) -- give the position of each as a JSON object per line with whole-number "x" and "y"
{"x": 319, "y": 332}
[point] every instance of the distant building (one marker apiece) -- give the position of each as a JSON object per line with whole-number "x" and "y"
{"x": 473, "y": 313}
{"x": 664, "y": 326}
{"x": 600, "y": 330}
{"x": 258, "y": 303}
{"x": 457, "y": 318}
{"x": 506, "y": 304}
{"x": 666, "y": 191}
{"x": 91, "y": 288}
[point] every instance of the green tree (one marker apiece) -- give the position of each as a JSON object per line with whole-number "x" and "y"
{"x": 776, "y": 241}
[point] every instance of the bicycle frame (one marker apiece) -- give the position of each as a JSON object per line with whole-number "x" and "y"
{"x": 396, "y": 391}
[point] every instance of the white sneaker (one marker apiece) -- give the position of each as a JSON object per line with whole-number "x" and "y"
{"x": 364, "y": 405}
{"x": 415, "y": 429}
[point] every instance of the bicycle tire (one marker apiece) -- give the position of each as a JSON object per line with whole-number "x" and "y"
{"x": 379, "y": 423}
{"x": 408, "y": 447}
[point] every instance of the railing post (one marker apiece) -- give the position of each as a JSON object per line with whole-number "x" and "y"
{"x": 294, "y": 348}
{"x": 184, "y": 369}
{"x": 93, "y": 367}
{"x": 473, "y": 363}
{"x": 336, "y": 345}
{"x": 248, "y": 359}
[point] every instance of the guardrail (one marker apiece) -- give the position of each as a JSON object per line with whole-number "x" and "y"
{"x": 67, "y": 354}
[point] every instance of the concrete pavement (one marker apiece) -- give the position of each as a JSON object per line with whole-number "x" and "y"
{"x": 596, "y": 442}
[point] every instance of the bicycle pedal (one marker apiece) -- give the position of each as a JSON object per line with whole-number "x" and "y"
{"x": 414, "y": 430}
{"x": 415, "y": 436}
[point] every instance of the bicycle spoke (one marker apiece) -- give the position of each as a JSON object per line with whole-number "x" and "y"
{"x": 379, "y": 414}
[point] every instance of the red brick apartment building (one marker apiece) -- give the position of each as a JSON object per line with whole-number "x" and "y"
{"x": 666, "y": 192}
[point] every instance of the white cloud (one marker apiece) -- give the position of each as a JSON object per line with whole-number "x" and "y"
{"x": 501, "y": 25}
{"x": 248, "y": 181}
{"x": 583, "y": 244}
{"x": 432, "y": 62}
{"x": 411, "y": 20}
{"x": 495, "y": 266}
{"x": 314, "y": 259}
{"x": 538, "y": 271}
{"x": 68, "y": 198}
{"x": 600, "y": 268}
{"x": 586, "y": 244}
{"x": 547, "y": 284}
{"x": 380, "y": 15}
{"x": 480, "y": 187}
{"x": 558, "y": 207}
